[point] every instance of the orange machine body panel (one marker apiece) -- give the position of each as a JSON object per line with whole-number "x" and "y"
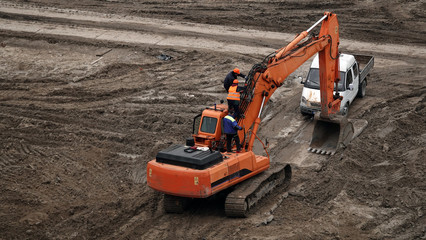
{"x": 193, "y": 183}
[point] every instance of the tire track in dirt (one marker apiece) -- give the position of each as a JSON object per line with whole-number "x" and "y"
{"x": 7, "y": 160}
{"x": 179, "y": 40}
{"x": 129, "y": 37}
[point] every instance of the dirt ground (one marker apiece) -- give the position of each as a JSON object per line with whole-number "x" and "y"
{"x": 86, "y": 102}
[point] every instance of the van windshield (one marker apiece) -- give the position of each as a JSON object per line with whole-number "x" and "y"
{"x": 312, "y": 81}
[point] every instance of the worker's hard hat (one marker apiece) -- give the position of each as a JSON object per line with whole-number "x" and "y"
{"x": 235, "y": 81}
{"x": 236, "y": 70}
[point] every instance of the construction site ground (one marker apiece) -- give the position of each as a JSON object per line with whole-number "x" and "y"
{"x": 87, "y": 99}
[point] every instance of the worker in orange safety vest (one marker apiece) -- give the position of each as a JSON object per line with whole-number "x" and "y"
{"x": 234, "y": 97}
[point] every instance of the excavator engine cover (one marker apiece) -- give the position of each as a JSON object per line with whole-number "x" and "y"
{"x": 330, "y": 134}
{"x": 189, "y": 157}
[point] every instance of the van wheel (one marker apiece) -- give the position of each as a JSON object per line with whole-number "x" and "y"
{"x": 305, "y": 114}
{"x": 345, "y": 110}
{"x": 361, "y": 90}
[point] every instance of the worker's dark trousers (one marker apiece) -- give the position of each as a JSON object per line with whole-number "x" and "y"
{"x": 229, "y": 142}
{"x": 234, "y": 104}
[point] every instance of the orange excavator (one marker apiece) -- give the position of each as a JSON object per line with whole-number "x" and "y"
{"x": 201, "y": 168}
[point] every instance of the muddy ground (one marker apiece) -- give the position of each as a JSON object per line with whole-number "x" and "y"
{"x": 85, "y": 103}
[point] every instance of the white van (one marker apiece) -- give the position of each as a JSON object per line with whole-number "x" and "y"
{"x": 353, "y": 81}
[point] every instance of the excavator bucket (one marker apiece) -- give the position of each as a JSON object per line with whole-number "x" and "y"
{"x": 330, "y": 134}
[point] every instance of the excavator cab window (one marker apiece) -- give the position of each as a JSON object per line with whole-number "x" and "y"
{"x": 208, "y": 125}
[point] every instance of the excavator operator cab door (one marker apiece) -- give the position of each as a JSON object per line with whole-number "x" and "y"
{"x": 196, "y": 123}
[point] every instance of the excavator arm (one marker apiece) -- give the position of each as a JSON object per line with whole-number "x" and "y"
{"x": 266, "y": 77}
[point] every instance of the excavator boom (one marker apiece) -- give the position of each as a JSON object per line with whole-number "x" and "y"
{"x": 266, "y": 77}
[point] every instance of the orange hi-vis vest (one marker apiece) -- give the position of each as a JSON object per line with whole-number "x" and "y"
{"x": 233, "y": 94}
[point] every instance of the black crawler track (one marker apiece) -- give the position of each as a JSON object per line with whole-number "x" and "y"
{"x": 248, "y": 193}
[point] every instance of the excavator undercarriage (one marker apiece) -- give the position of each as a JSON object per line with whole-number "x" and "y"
{"x": 245, "y": 195}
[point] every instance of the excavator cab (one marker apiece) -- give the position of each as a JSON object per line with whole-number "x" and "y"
{"x": 207, "y": 126}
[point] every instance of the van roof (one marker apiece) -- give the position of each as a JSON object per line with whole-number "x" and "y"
{"x": 346, "y": 61}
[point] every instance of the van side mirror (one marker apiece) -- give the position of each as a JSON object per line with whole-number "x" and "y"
{"x": 351, "y": 87}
